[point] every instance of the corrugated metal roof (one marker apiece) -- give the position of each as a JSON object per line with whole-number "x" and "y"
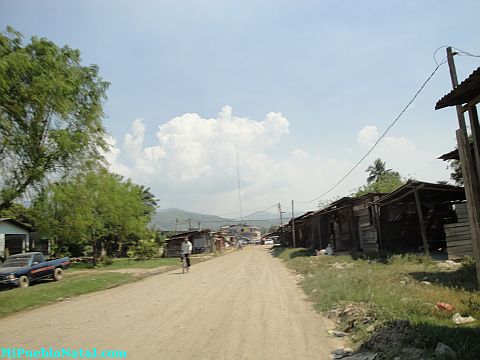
{"x": 428, "y": 192}
{"x": 463, "y": 93}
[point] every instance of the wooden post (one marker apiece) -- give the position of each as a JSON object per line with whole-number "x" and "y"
{"x": 312, "y": 233}
{"x": 453, "y": 77}
{"x": 471, "y": 179}
{"x": 377, "y": 222}
{"x": 475, "y": 127}
{"x": 421, "y": 222}
{"x": 473, "y": 198}
{"x": 319, "y": 231}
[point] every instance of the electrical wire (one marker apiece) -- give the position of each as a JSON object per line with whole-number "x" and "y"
{"x": 460, "y": 52}
{"x": 235, "y": 220}
{"x": 438, "y": 65}
{"x": 382, "y": 136}
{"x": 236, "y": 212}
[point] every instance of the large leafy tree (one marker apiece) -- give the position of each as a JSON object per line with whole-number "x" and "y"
{"x": 51, "y": 110}
{"x": 93, "y": 209}
{"x": 380, "y": 179}
{"x": 385, "y": 183}
{"x": 376, "y": 170}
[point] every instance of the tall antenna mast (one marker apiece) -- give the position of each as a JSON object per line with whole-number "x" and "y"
{"x": 238, "y": 182}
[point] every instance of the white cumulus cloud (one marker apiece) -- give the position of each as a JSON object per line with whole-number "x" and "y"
{"x": 193, "y": 163}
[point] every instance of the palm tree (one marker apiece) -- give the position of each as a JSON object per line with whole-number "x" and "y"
{"x": 376, "y": 170}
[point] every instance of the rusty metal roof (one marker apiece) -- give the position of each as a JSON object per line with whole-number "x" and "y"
{"x": 463, "y": 93}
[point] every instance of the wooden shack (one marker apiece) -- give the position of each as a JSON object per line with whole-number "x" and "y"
{"x": 412, "y": 218}
{"x": 201, "y": 242}
{"x": 347, "y": 224}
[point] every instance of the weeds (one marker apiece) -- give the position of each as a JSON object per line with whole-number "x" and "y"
{"x": 391, "y": 289}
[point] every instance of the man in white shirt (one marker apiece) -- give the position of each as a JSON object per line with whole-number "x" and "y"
{"x": 186, "y": 250}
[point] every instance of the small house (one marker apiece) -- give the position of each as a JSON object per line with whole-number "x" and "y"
{"x": 14, "y": 237}
{"x": 201, "y": 242}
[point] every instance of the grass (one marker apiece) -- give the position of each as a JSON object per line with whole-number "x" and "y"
{"x": 45, "y": 292}
{"x": 391, "y": 290}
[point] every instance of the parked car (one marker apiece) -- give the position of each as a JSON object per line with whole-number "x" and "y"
{"x": 268, "y": 241}
{"x": 23, "y": 269}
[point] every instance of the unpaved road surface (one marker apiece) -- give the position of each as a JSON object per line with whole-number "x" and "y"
{"x": 244, "y": 305}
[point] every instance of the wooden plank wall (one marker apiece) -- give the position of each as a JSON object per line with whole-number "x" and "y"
{"x": 458, "y": 238}
{"x": 367, "y": 231}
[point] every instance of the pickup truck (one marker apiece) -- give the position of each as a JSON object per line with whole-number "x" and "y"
{"x": 22, "y": 269}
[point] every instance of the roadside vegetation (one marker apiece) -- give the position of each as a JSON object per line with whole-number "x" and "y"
{"x": 389, "y": 304}
{"x": 48, "y": 291}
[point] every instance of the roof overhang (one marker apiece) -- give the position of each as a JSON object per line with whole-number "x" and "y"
{"x": 468, "y": 92}
{"x": 429, "y": 192}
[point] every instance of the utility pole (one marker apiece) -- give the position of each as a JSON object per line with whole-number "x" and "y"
{"x": 280, "y": 212}
{"x": 293, "y": 226}
{"x": 238, "y": 182}
{"x": 189, "y": 224}
{"x": 281, "y": 225}
{"x": 199, "y": 228}
{"x": 453, "y": 77}
{"x": 470, "y": 176}
{"x": 176, "y": 226}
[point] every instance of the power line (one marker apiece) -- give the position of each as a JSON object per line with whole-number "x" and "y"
{"x": 460, "y": 52}
{"x": 243, "y": 218}
{"x": 236, "y": 212}
{"x": 274, "y": 205}
{"x": 382, "y": 136}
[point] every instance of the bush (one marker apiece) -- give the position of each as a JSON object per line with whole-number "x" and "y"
{"x": 468, "y": 263}
{"x": 106, "y": 260}
{"x": 145, "y": 249}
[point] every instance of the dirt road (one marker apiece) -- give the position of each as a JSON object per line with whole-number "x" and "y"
{"x": 244, "y": 305}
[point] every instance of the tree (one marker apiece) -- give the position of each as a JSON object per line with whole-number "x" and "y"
{"x": 385, "y": 183}
{"x": 51, "y": 110}
{"x": 98, "y": 209}
{"x": 456, "y": 174}
{"x": 20, "y": 213}
{"x": 376, "y": 170}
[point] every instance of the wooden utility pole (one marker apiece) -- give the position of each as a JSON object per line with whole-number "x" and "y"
{"x": 176, "y": 226}
{"x": 282, "y": 240}
{"x": 293, "y": 226}
{"x": 280, "y": 212}
{"x": 471, "y": 178}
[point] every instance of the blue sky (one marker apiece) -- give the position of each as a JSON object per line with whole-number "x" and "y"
{"x": 331, "y": 74}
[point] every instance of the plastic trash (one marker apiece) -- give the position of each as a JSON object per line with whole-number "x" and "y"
{"x": 459, "y": 319}
{"x": 445, "y": 306}
{"x": 329, "y": 250}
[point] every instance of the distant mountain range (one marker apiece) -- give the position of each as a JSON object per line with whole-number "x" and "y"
{"x": 165, "y": 220}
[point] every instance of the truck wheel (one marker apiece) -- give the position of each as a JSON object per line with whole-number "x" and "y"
{"x": 23, "y": 281}
{"x": 58, "y": 274}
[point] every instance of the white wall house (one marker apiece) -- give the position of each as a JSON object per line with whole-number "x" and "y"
{"x": 14, "y": 237}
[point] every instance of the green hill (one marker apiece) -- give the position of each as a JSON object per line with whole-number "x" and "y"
{"x": 165, "y": 220}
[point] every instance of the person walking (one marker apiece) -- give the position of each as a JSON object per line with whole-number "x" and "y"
{"x": 186, "y": 251}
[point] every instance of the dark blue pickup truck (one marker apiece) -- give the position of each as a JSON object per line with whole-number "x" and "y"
{"x": 22, "y": 269}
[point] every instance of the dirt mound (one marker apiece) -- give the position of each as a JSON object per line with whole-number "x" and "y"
{"x": 396, "y": 338}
